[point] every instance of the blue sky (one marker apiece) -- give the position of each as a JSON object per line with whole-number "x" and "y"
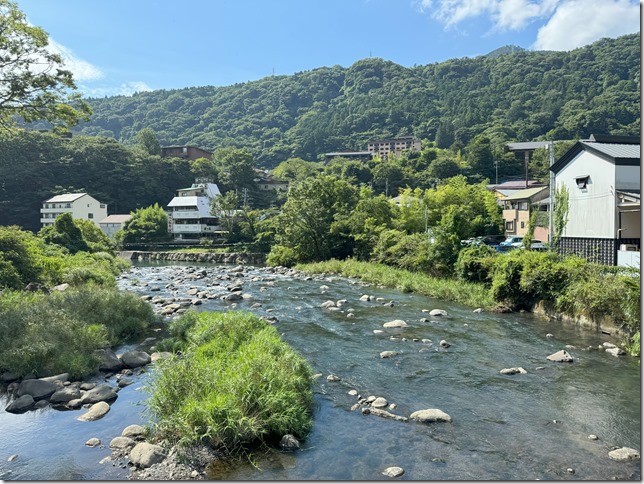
{"x": 123, "y": 46}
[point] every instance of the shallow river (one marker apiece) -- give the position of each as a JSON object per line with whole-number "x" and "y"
{"x": 505, "y": 427}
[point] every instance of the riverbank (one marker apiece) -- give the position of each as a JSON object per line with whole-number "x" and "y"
{"x": 244, "y": 258}
{"x": 475, "y": 295}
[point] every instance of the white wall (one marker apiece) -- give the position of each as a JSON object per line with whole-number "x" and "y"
{"x": 592, "y": 211}
{"x": 86, "y": 205}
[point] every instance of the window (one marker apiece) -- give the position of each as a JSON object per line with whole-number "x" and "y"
{"x": 509, "y": 226}
{"x": 523, "y": 205}
{"x": 522, "y": 225}
{"x": 102, "y": 205}
{"x": 582, "y": 181}
{"x": 90, "y": 215}
{"x": 69, "y": 205}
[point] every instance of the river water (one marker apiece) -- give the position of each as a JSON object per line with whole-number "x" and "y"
{"x": 505, "y": 427}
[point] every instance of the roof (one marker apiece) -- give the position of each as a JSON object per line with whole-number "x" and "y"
{"x": 116, "y": 219}
{"x": 526, "y": 146}
{"x": 523, "y": 194}
{"x": 626, "y": 152}
{"x": 202, "y": 204}
{"x": 354, "y": 153}
{"x": 65, "y": 197}
{"x": 516, "y": 185}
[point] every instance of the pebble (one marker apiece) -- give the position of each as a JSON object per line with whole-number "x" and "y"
{"x": 12, "y": 458}
{"x": 393, "y": 471}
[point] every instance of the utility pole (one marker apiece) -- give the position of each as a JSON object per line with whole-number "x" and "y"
{"x": 551, "y": 217}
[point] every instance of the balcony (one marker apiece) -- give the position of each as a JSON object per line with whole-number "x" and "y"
{"x": 181, "y": 214}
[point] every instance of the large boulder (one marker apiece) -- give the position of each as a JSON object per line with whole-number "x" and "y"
{"x": 21, "y": 404}
{"x": 438, "y": 312}
{"x": 37, "y": 388}
{"x": 561, "y": 357}
{"x": 430, "y": 415}
{"x": 121, "y": 443}
{"x": 63, "y": 377}
{"x": 135, "y": 359}
{"x": 624, "y": 454}
{"x": 65, "y": 394}
{"x": 396, "y": 323}
{"x": 108, "y": 361}
{"x": 96, "y": 411}
{"x": 100, "y": 393}
{"x": 134, "y": 432}
{"x": 145, "y": 454}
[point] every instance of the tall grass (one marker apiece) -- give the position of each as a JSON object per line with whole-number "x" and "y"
{"x": 236, "y": 383}
{"x": 44, "y": 334}
{"x": 462, "y": 292}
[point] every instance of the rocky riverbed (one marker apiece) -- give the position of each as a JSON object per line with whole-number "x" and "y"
{"x": 407, "y": 386}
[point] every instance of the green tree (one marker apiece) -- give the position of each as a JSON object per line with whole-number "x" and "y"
{"x": 560, "y": 214}
{"x": 225, "y": 207}
{"x": 65, "y": 233}
{"x": 235, "y": 168}
{"x": 296, "y": 169}
{"x": 147, "y": 140}
{"x": 148, "y": 224}
{"x": 34, "y": 85}
{"x": 304, "y": 225}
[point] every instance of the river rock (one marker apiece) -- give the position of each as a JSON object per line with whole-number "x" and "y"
{"x": 65, "y": 394}
{"x": 324, "y": 288}
{"x": 478, "y": 310}
{"x": 388, "y": 354}
{"x": 615, "y": 351}
{"x": 608, "y": 345}
{"x": 133, "y": 432}
{"x": 8, "y": 377}
{"x": 96, "y": 411}
{"x": 160, "y": 355}
{"x": 122, "y": 443}
{"x": 393, "y": 471}
{"x": 430, "y": 415}
{"x": 379, "y": 412}
{"x": 124, "y": 382}
{"x": 561, "y": 356}
{"x": 135, "y": 359}
{"x": 396, "y": 323}
{"x": 93, "y": 442}
{"x": 41, "y": 404}
{"x": 512, "y": 371}
{"x": 624, "y": 454}
{"x": 328, "y": 304}
{"x": 145, "y": 454}
{"x": 100, "y": 393}
{"x": 108, "y": 361}
{"x": 37, "y": 388}
{"x": 353, "y": 393}
{"x": 74, "y": 404}
{"x": 21, "y": 404}
{"x": 379, "y": 402}
{"x": 60, "y": 287}
{"x": 87, "y": 386}
{"x": 62, "y": 377}
{"x": 289, "y": 442}
{"x": 333, "y": 378}
{"x": 444, "y": 344}
{"x": 438, "y": 312}
{"x": 366, "y": 297}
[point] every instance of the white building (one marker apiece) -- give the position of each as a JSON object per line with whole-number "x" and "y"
{"x": 113, "y": 223}
{"x": 602, "y": 176}
{"x": 80, "y": 205}
{"x": 189, "y": 216}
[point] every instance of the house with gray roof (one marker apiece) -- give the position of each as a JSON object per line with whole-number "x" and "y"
{"x": 80, "y": 205}
{"x": 602, "y": 176}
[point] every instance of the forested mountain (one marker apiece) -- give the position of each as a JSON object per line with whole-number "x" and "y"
{"x": 519, "y": 95}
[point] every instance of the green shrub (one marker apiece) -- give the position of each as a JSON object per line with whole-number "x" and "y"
{"x": 474, "y": 264}
{"x": 237, "y": 383}
{"x": 282, "y": 256}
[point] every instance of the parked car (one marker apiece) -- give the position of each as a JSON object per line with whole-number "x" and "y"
{"x": 535, "y": 245}
{"x": 493, "y": 240}
{"x": 507, "y": 244}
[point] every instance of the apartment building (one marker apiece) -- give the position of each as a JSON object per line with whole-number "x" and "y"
{"x": 189, "y": 216}
{"x": 80, "y": 205}
{"x": 394, "y": 146}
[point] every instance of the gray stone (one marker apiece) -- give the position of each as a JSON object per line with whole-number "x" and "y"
{"x": 96, "y": 411}
{"x": 608, "y": 345}
{"x": 379, "y": 402}
{"x": 512, "y": 371}
{"x": 593, "y": 437}
{"x": 444, "y": 344}
{"x": 624, "y": 454}
{"x": 396, "y": 323}
{"x": 63, "y": 377}
{"x": 122, "y": 443}
{"x": 438, "y": 312}
{"x": 561, "y": 356}
{"x": 393, "y": 471}
{"x": 108, "y": 361}
{"x": 41, "y": 404}
{"x": 21, "y": 404}
{"x": 66, "y": 394}
{"x": 160, "y": 355}
{"x": 133, "y": 432}
{"x": 333, "y": 378}
{"x": 135, "y": 359}
{"x": 100, "y": 393}
{"x": 74, "y": 403}
{"x": 87, "y": 386}
{"x": 37, "y": 388}
{"x": 289, "y": 442}
{"x": 8, "y": 377}
{"x": 430, "y": 415}
{"x": 60, "y": 287}
{"x": 124, "y": 381}
{"x": 328, "y": 304}
{"x": 93, "y": 442}
{"x": 145, "y": 454}
{"x": 615, "y": 351}
{"x": 388, "y": 354}
{"x": 478, "y": 310}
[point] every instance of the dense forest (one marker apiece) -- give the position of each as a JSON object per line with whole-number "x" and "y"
{"x": 510, "y": 94}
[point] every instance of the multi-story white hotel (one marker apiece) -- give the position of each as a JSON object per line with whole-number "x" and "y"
{"x": 189, "y": 216}
{"x": 80, "y": 205}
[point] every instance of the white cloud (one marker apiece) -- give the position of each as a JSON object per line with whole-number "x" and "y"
{"x": 125, "y": 89}
{"x": 580, "y": 22}
{"x": 505, "y": 14}
{"x": 82, "y": 70}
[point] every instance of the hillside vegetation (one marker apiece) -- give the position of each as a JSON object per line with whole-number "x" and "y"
{"x": 520, "y": 95}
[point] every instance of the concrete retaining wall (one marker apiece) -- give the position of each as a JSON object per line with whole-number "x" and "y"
{"x": 255, "y": 259}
